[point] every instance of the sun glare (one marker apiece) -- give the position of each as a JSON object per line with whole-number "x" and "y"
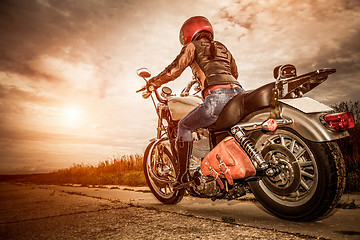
{"x": 72, "y": 115}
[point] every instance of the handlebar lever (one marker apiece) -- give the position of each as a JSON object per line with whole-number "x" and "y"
{"x": 141, "y": 89}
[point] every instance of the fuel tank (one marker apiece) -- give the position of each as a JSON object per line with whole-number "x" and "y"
{"x": 180, "y": 106}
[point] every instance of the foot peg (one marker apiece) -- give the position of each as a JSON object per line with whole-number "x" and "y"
{"x": 183, "y": 185}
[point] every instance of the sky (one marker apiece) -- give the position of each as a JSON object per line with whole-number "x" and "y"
{"x": 68, "y": 68}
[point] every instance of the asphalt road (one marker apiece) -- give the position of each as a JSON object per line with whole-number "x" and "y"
{"x": 69, "y": 212}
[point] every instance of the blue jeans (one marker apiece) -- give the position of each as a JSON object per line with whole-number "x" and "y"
{"x": 206, "y": 113}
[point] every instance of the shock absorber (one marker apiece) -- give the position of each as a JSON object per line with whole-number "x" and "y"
{"x": 249, "y": 148}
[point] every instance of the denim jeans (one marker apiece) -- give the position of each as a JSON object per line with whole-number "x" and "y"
{"x": 206, "y": 113}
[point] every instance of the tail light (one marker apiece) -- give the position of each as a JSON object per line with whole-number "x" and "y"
{"x": 340, "y": 121}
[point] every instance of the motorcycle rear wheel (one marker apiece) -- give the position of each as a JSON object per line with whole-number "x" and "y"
{"x": 312, "y": 178}
{"x": 160, "y": 172}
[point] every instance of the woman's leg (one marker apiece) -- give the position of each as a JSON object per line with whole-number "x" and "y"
{"x": 206, "y": 113}
{"x": 202, "y": 116}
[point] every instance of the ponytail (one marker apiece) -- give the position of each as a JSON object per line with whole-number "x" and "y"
{"x": 209, "y": 36}
{"x": 213, "y": 50}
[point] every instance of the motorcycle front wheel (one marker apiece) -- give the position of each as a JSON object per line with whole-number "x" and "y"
{"x": 311, "y": 181}
{"x": 160, "y": 172}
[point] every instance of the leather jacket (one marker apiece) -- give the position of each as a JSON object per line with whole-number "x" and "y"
{"x": 208, "y": 70}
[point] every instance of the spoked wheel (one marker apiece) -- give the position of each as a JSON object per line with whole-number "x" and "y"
{"x": 311, "y": 181}
{"x": 160, "y": 173}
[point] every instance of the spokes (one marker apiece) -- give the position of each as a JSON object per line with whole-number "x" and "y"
{"x": 167, "y": 189}
{"x": 303, "y": 160}
{"x": 292, "y": 145}
{"x": 282, "y": 141}
{"x": 300, "y": 153}
{"x": 163, "y": 171}
{"x": 306, "y": 174}
{"x": 305, "y": 164}
{"x": 304, "y": 185}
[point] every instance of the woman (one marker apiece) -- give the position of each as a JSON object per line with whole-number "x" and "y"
{"x": 214, "y": 67}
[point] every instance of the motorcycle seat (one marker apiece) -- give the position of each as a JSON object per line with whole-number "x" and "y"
{"x": 243, "y": 104}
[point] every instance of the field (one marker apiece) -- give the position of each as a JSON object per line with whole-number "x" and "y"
{"x": 118, "y": 170}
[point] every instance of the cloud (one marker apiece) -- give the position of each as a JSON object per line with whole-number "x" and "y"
{"x": 25, "y": 32}
{"x": 72, "y": 31}
{"x": 14, "y": 93}
{"x": 309, "y": 34}
{"x": 15, "y": 105}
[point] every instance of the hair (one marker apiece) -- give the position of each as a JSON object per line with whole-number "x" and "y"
{"x": 203, "y": 34}
{"x": 210, "y": 37}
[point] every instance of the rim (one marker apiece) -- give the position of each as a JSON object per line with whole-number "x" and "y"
{"x": 298, "y": 180}
{"x": 161, "y": 171}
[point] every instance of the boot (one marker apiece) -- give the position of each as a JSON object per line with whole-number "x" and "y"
{"x": 184, "y": 152}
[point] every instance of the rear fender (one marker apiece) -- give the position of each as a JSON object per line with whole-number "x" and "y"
{"x": 306, "y": 118}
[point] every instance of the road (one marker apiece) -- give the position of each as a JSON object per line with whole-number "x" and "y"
{"x": 70, "y": 212}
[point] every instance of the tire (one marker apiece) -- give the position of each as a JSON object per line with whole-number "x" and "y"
{"x": 312, "y": 178}
{"x": 161, "y": 186}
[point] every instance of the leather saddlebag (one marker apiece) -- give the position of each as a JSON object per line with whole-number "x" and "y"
{"x": 227, "y": 160}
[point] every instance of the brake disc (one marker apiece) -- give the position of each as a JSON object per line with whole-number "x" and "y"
{"x": 289, "y": 178}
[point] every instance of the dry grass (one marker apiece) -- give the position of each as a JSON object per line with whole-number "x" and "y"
{"x": 350, "y": 146}
{"x": 119, "y": 170}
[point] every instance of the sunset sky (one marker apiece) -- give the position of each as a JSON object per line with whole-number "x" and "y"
{"x": 68, "y": 68}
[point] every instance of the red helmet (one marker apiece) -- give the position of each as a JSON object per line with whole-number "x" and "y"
{"x": 192, "y": 26}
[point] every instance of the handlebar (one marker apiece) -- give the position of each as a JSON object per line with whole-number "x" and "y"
{"x": 149, "y": 91}
{"x": 186, "y": 90}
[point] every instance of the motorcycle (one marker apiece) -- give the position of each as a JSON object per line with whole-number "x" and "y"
{"x": 290, "y": 140}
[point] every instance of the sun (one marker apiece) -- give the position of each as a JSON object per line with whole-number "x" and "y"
{"x": 72, "y": 115}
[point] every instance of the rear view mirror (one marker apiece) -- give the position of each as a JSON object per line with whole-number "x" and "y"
{"x": 144, "y": 73}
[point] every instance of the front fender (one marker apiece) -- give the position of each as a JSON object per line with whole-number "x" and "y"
{"x": 306, "y": 123}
